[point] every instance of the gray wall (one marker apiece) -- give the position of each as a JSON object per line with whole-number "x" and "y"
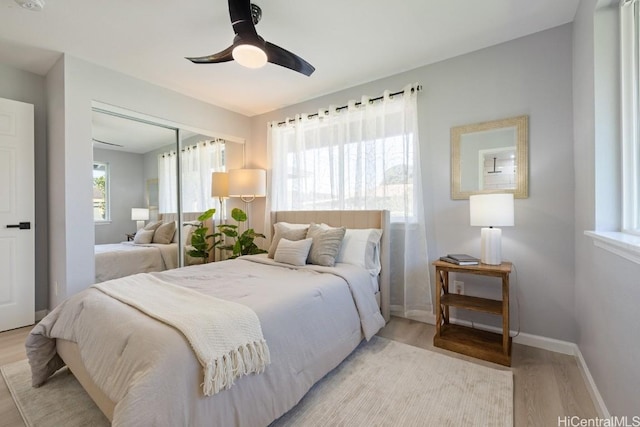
{"x": 532, "y": 76}
{"x": 27, "y": 87}
{"x": 127, "y": 187}
{"x": 606, "y": 286}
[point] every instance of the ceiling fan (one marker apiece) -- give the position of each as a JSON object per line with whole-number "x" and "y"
{"x": 248, "y": 48}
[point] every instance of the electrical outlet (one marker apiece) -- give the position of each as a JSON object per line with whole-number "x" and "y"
{"x": 458, "y": 287}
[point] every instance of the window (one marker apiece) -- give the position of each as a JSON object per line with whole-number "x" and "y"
{"x": 197, "y": 162}
{"x": 630, "y": 42}
{"x": 101, "y": 192}
{"x": 354, "y": 175}
{"x": 357, "y": 158}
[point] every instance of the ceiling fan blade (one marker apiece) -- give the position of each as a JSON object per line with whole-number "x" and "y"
{"x": 240, "y": 10}
{"x": 284, "y": 58}
{"x": 241, "y": 20}
{"x": 223, "y": 56}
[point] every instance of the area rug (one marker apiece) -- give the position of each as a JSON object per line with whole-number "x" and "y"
{"x": 383, "y": 383}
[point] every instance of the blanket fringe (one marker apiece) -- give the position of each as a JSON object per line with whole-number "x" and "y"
{"x": 220, "y": 373}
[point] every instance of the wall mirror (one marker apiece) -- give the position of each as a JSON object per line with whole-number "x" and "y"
{"x": 148, "y": 170}
{"x": 490, "y": 157}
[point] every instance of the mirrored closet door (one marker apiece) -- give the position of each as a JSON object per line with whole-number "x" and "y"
{"x": 151, "y": 183}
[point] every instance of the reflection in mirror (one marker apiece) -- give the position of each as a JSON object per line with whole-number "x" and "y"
{"x": 137, "y": 160}
{"x": 490, "y": 157}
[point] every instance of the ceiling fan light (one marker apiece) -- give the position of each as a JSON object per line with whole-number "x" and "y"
{"x": 249, "y": 56}
{"x": 34, "y": 5}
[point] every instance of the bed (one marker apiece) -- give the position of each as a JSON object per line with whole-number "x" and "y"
{"x": 140, "y": 371}
{"x": 115, "y": 260}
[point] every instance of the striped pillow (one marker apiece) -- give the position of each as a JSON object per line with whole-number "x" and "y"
{"x": 293, "y": 252}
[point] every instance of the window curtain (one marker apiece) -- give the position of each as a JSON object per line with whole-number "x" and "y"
{"x": 363, "y": 156}
{"x": 197, "y": 162}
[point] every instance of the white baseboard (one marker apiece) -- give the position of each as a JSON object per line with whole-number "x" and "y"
{"x": 40, "y": 314}
{"x": 424, "y": 316}
{"x": 598, "y": 402}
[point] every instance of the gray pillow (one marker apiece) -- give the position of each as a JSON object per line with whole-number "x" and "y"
{"x": 293, "y": 252}
{"x": 326, "y": 244}
{"x": 164, "y": 233}
{"x": 287, "y": 231}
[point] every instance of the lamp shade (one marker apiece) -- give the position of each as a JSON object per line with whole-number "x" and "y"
{"x": 247, "y": 183}
{"x": 219, "y": 184}
{"x": 139, "y": 214}
{"x": 491, "y": 210}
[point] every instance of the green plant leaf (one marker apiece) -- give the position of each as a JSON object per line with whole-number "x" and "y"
{"x": 230, "y": 232}
{"x": 238, "y": 215}
{"x": 206, "y": 215}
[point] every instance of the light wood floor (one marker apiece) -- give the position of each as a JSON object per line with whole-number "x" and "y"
{"x": 546, "y": 384}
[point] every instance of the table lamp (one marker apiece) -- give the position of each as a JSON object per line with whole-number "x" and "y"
{"x": 140, "y": 215}
{"x": 490, "y": 211}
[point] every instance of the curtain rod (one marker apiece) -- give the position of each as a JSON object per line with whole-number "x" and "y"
{"x": 417, "y": 88}
{"x": 194, "y": 146}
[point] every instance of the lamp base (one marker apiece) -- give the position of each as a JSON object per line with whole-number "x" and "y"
{"x": 491, "y": 246}
{"x": 139, "y": 224}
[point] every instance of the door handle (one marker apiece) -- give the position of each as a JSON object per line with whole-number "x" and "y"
{"x": 21, "y": 226}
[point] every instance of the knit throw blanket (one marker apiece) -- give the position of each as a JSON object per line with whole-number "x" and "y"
{"x": 226, "y": 337}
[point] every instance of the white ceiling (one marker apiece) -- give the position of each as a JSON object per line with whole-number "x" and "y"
{"x": 349, "y": 42}
{"x": 125, "y": 134}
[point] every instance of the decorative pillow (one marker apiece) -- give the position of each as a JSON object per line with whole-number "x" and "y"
{"x": 143, "y": 237}
{"x": 326, "y": 244}
{"x": 175, "y": 235}
{"x": 153, "y": 225}
{"x": 164, "y": 233}
{"x": 361, "y": 247}
{"x": 293, "y": 252}
{"x": 288, "y": 231}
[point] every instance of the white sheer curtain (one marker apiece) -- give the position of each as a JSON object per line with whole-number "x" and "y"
{"x": 197, "y": 162}
{"x": 361, "y": 157}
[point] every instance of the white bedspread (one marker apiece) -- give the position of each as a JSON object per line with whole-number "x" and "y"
{"x": 309, "y": 320}
{"x": 225, "y": 336}
{"x": 116, "y": 260}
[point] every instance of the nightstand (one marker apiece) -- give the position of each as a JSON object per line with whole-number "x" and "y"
{"x": 462, "y": 339}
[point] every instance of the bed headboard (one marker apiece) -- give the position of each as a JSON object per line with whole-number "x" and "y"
{"x": 186, "y": 216}
{"x": 351, "y": 219}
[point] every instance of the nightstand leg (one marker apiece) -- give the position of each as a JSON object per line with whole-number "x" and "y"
{"x": 445, "y": 291}
{"x": 505, "y": 315}
{"x": 438, "y": 306}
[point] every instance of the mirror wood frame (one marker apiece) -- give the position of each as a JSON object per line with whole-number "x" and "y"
{"x": 521, "y": 124}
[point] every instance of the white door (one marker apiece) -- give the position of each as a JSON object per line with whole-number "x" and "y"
{"x": 17, "y": 243}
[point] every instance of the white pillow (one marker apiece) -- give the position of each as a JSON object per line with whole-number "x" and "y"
{"x": 143, "y": 237}
{"x": 288, "y": 231}
{"x": 361, "y": 247}
{"x": 293, "y": 252}
{"x": 188, "y": 228}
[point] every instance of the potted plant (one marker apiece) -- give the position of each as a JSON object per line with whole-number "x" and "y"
{"x": 242, "y": 244}
{"x": 199, "y": 238}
